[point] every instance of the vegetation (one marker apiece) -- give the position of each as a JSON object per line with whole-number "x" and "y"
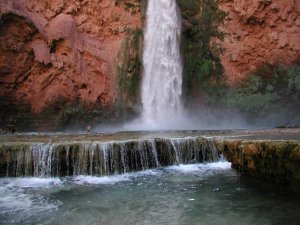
{"x": 202, "y": 67}
{"x": 133, "y": 6}
{"x": 129, "y": 71}
{"x": 270, "y": 90}
{"x": 63, "y": 113}
{"x": 12, "y": 114}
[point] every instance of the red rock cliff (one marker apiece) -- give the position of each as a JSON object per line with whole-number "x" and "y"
{"x": 52, "y": 50}
{"x": 259, "y": 32}
{"x": 59, "y": 49}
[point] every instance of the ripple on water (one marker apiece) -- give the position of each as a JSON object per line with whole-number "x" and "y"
{"x": 18, "y": 196}
{"x": 184, "y": 195}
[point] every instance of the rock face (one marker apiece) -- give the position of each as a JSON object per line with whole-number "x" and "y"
{"x": 73, "y": 51}
{"x": 275, "y": 161}
{"x": 259, "y": 32}
{"x": 54, "y": 50}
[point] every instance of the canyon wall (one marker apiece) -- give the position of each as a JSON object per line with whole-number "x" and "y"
{"x": 55, "y": 55}
{"x": 258, "y": 32}
{"x": 63, "y": 51}
{"x": 242, "y": 57}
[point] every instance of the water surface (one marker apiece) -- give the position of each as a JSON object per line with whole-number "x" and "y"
{"x": 185, "y": 195}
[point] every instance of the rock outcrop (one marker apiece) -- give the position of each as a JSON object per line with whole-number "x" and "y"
{"x": 269, "y": 155}
{"x": 63, "y": 50}
{"x": 259, "y": 32}
{"x": 273, "y": 161}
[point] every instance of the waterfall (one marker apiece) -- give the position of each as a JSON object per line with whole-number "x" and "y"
{"x": 162, "y": 78}
{"x": 102, "y": 158}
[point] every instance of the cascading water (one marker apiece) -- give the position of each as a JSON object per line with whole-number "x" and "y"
{"x": 102, "y": 158}
{"x": 162, "y": 78}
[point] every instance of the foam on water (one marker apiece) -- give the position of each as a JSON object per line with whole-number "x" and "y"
{"x": 16, "y": 197}
{"x": 216, "y": 166}
{"x": 202, "y": 169}
{"x": 33, "y": 182}
{"x": 110, "y": 180}
{"x": 184, "y": 194}
{"x": 13, "y": 199}
{"x": 84, "y": 180}
{"x": 25, "y": 196}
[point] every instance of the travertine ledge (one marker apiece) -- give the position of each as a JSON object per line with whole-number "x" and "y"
{"x": 276, "y": 161}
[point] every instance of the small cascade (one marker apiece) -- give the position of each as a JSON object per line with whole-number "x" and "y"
{"x": 42, "y": 160}
{"x": 102, "y": 158}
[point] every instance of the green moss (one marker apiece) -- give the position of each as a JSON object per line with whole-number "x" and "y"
{"x": 129, "y": 5}
{"x": 133, "y": 6}
{"x": 275, "y": 161}
{"x": 270, "y": 90}
{"x": 188, "y": 8}
{"x": 129, "y": 70}
{"x": 202, "y": 69}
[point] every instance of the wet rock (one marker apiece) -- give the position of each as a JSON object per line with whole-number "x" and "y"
{"x": 101, "y": 158}
{"x": 274, "y": 161}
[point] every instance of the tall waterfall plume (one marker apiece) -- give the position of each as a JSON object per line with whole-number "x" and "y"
{"x": 162, "y": 78}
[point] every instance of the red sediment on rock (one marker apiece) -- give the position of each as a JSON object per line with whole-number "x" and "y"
{"x": 259, "y": 32}
{"x": 53, "y": 50}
